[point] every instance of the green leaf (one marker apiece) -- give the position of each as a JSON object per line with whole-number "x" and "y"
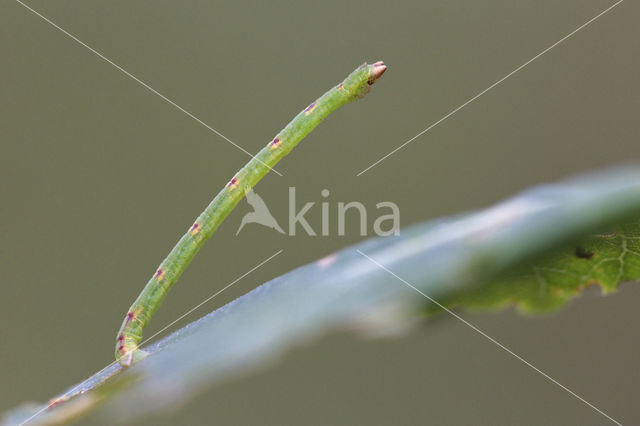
{"x": 604, "y": 259}
{"x": 536, "y": 251}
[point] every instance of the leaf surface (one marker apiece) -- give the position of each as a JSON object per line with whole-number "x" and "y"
{"x": 535, "y": 250}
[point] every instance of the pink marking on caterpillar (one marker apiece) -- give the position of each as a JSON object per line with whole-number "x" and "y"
{"x": 310, "y": 109}
{"x": 195, "y": 229}
{"x": 275, "y": 144}
{"x": 131, "y": 316}
{"x": 159, "y": 274}
{"x": 233, "y": 184}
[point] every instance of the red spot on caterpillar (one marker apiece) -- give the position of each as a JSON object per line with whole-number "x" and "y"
{"x": 159, "y": 274}
{"x": 120, "y": 337}
{"x": 275, "y": 144}
{"x": 233, "y": 184}
{"x": 340, "y": 86}
{"x": 310, "y": 109}
{"x": 131, "y": 315}
{"x": 195, "y": 228}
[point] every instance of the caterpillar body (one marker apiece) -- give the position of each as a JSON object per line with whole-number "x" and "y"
{"x": 355, "y": 86}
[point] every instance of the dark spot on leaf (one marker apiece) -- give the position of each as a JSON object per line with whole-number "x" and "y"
{"x": 582, "y": 253}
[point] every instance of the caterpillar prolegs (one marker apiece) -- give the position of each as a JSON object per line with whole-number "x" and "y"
{"x": 355, "y": 86}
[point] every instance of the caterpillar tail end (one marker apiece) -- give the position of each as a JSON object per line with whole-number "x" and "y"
{"x": 128, "y": 358}
{"x": 127, "y": 351}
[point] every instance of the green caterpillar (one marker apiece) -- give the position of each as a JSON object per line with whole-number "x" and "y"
{"x": 355, "y": 86}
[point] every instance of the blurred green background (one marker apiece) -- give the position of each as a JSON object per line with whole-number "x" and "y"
{"x": 99, "y": 178}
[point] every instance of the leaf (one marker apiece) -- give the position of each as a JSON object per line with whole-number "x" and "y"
{"x": 530, "y": 251}
{"x": 605, "y": 259}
